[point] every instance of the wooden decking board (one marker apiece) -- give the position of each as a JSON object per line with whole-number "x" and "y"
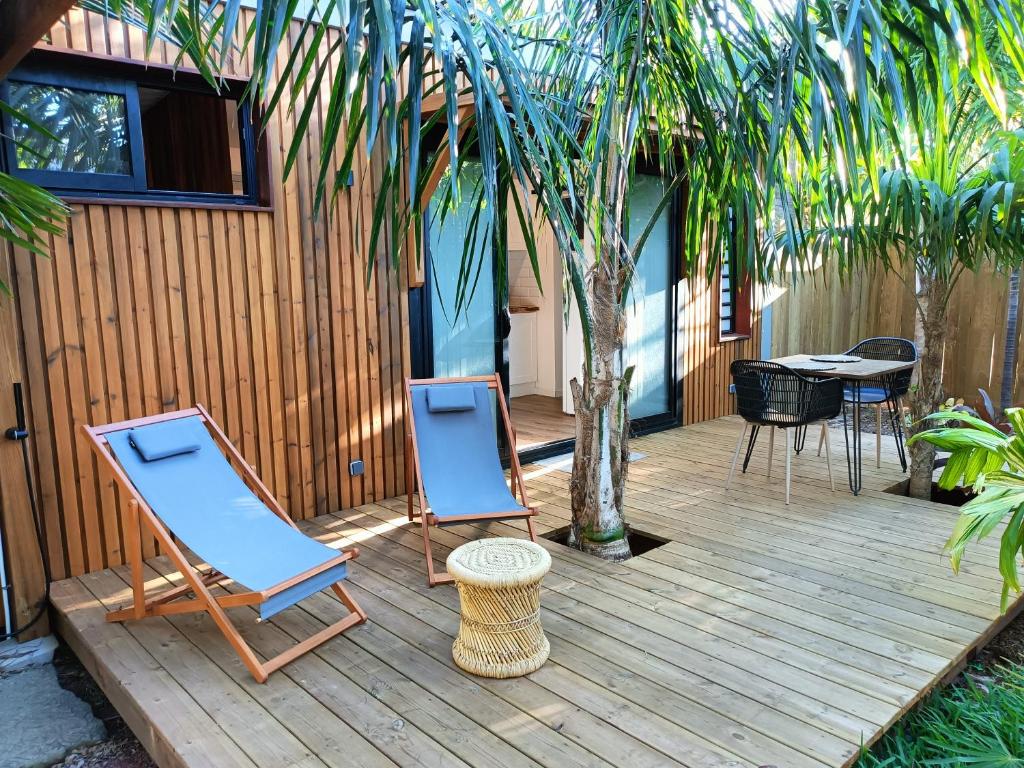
{"x": 579, "y": 687}
{"x": 576, "y": 634}
{"x": 885, "y": 594}
{"x": 761, "y": 634}
{"x": 563, "y": 622}
{"x": 263, "y": 739}
{"x": 322, "y": 731}
{"x": 160, "y": 712}
{"x": 748, "y": 533}
{"x": 710, "y": 521}
{"x": 753, "y": 491}
{"x": 979, "y": 610}
{"x": 538, "y": 420}
{"x": 922, "y": 546}
{"x": 366, "y": 712}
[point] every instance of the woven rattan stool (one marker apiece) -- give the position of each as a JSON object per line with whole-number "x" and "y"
{"x": 499, "y": 588}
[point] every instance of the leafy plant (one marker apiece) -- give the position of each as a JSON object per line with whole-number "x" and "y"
{"x": 28, "y": 214}
{"x": 948, "y": 197}
{"x": 976, "y": 723}
{"x": 985, "y": 410}
{"x": 992, "y": 462}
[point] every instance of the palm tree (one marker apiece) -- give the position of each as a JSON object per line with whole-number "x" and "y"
{"x": 948, "y": 198}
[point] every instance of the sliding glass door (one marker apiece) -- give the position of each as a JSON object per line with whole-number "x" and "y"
{"x": 466, "y": 339}
{"x": 449, "y": 338}
{"x": 650, "y": 313}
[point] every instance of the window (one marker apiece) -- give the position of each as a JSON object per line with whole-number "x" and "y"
{"x": 135, "y": 134}
{"x": 734, "y": 304}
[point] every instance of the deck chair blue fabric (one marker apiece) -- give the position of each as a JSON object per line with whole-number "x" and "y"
{"x": 454, "y": 446}
{"x": 204, "y": 502}
{"x": 184, "y": 478}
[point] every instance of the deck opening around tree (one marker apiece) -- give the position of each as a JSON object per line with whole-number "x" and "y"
{"x": 640, "y": 542}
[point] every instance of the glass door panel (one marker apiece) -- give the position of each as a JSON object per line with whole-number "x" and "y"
{"x": 463, "y": 342}
{"x": 648, "y": 314}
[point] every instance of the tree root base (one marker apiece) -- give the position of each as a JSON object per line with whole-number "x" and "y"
{"x": 616, "y": 550}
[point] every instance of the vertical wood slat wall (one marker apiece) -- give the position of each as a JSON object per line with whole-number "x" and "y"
{"x": 705, "y": 358}
{"x": 831, "y": 316}
{"x": 263, "y": 316}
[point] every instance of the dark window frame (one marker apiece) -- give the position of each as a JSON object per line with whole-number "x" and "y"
{"x": 735, "y": 325}
{"x": 126, "y": 77}
{"x": 80, "y": 180}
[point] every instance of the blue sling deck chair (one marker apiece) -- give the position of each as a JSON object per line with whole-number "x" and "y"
{"x": 176, "y": 473}
{"x": 452, "y": 445}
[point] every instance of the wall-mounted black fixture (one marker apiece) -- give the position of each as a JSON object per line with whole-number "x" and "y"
{"x": 18, "y": 431}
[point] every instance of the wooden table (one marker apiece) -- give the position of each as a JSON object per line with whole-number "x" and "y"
{"x": 855, "y": 375}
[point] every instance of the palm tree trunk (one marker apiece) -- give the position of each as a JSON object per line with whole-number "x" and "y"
{"x": 601, "y": 458}
{"x": 1010, "y": 346}
{"x": 932, "y": 300}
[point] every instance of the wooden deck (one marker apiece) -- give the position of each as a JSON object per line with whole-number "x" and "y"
{"x": 761, "y": 635}
{"x": 538, "y": 420}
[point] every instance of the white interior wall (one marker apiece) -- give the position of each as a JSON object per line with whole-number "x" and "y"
{"x": 535, "y": 343}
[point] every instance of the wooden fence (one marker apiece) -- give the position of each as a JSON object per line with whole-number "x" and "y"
{"x": 819, "y": 314}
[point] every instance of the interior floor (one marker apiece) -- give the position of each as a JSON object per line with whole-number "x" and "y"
{"x": 538, "y": 420}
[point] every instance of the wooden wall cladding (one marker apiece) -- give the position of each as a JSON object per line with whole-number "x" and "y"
{"x": 705, "y": 357}
{"x": 265, "y": 317}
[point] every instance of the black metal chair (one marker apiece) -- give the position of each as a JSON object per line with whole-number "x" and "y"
{"x": 774, "y": 396}
{"x": 876, "y": 393}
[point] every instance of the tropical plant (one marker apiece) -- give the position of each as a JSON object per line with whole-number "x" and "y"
{"x": 28, "y": 214}
{"x": 559, "y": 102}
{"x": 977, "y": 722}
{"x": 950, "y": 192}
{"x": 983, "y": 457}
{"x": 984, "y": 409}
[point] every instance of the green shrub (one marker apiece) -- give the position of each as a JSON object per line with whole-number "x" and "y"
{"x": 973, "y": 724}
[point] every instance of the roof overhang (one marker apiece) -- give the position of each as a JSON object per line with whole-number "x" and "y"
{"x": 22, "y": 24}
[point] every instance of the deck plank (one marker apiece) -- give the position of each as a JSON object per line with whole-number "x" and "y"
{"x": 761, "y": 634}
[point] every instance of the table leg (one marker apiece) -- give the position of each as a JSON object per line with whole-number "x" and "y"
{"x": 896, "y": 420}
{"x": 853, "y": 442}
{"x": 750, "y": 446}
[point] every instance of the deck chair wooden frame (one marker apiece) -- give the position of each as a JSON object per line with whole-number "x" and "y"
{"x": 195, "y": 595}
{"x": 414, "y": 478}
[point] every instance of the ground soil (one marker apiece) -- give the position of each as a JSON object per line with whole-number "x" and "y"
{"x": 867, "y": 420}
{"x": 120, "y": 749}
{"x": 1006, "y": 647}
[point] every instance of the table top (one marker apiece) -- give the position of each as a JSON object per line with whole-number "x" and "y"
{"x": 865, "y": 369}
{"x": 499, "y": 562}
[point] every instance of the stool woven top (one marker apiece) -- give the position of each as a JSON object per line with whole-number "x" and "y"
{"x": 499, "y": 562}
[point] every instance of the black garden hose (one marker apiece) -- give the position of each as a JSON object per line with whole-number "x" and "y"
{"x": 20, "y": 434}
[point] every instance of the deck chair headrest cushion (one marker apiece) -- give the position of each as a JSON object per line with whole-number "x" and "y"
{"x": 444, "y": 398}
{"x": 164, "y": 439}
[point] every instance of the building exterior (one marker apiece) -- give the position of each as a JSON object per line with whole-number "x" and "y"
{"x": 192, "y": 271}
